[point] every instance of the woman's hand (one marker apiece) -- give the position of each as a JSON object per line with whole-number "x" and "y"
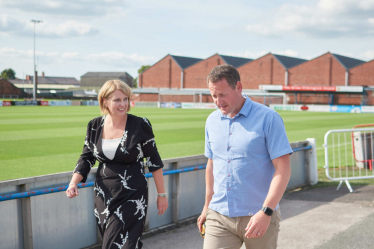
{"x": 162, "y": 204}
{"x": 72, "y": 191}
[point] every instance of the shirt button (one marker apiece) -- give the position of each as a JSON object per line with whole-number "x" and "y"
{"x": 228, "y": 175}
{"x": 229, "y": 147}
{"x": 229, "y": 161}
{"x": 228, "y": 189}
{"x": 230, "y": 133}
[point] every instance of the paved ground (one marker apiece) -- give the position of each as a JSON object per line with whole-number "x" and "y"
{"x": 318, "y": 218}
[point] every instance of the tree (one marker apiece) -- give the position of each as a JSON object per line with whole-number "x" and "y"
{"x": 136, "y": 82}
{"x": 143, "y": 68}
{"x": 8, "y": 74}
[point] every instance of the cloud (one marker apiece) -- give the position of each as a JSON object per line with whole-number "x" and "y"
{"x": 325, "y": 19}
{"x": 248, "y": 54}
{"x": 368, "y": 55}
{"x": 112, "y": 58}
{"x": 256, "y": 55}
{"x": 66, "y": 7}
{"x": 287, "y": 52}
{"x": 10, "y": 25}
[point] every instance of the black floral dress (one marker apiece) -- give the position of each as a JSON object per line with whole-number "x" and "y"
{"x": 121, "y": 195}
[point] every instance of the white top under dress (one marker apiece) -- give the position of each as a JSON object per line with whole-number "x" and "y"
{"x": 110, "y": 147}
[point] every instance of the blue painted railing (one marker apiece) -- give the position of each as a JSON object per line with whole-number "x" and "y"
{"x": 84, "y": 185}
{"x": 302, "y": 148}
{"x": 90, "y": 184}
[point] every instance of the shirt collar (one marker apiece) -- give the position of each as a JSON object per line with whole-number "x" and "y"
{"x": 246, "y": 108}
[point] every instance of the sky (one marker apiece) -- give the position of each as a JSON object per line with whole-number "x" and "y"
{"x": 78, "y": 36}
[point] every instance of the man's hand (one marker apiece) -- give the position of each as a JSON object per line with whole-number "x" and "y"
{"x": 257, "y": 225}
{"x": 202, "y": 218}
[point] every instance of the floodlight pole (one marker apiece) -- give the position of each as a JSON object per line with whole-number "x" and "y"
{"x": 34, "y": 77}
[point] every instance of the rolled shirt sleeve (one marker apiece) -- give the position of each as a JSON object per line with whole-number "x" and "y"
{"x": 277, "y": 142}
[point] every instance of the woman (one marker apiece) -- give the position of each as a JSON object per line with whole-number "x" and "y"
{"x": 120, "y": 141}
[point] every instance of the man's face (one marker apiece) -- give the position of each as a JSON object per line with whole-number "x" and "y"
{"x": 228, "y": 100}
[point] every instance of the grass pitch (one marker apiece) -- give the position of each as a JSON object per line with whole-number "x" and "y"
{"x": 36, "y": 140}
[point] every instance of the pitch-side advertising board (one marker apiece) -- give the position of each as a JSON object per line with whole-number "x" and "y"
{"x": 191, "y": 105}
{"x": 324, "y": 108}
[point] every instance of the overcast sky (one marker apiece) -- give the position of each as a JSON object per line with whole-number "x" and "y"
{"x": 78, "y": 36}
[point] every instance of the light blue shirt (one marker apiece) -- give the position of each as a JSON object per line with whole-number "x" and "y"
{"x": 242, "y": 149}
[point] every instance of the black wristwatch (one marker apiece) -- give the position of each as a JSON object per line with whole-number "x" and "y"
{"x": 268, "y": 211}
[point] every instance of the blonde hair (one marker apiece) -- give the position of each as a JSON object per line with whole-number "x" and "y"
{"x": 108, "y": 88}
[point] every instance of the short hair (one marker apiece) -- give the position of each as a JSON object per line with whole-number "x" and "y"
{"x": 108, "y": 88}
{"x": 228, "y": 72}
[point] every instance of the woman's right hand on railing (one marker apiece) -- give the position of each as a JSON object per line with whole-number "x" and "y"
{"x": 72, "y": 190}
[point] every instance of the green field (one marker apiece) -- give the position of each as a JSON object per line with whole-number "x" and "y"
{"x": 37, "y": 140}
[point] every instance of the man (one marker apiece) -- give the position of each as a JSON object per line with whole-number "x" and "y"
{"x": 248, "y": 167}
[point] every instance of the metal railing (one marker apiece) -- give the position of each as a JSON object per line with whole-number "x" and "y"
{"x": 349, "y": 155}
{"x": 84, "y": 185}
{"x": 90, "y": 184}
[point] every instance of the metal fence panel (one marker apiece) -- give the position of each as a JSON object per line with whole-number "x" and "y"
{"x": 192, "y": 194}
{"x": 11, "y": 220}
{"x": 52, "y": 230}
{"x": 349, "y": 154}
{"x": 298, "y": 173}
{"x": 154, "y": 219}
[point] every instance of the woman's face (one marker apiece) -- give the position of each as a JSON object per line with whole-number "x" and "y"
{"x": 117, "y": 103}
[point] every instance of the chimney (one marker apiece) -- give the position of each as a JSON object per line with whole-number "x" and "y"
{"x": 27, "y": 77}
{"x": 42, "y": 74}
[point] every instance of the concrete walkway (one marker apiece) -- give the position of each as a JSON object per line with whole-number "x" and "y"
{"x": 318, "y": 218}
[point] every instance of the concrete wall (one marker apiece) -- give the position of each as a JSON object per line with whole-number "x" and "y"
{"x": 54, "y": 221}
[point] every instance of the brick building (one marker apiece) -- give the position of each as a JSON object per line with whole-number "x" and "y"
{"x": 270, "y": 69}
{"x": 7, "y": 90}
{"x": 167, "y": 72}
{"x": 195, "y": 76}
{"x": 326, "y": 70}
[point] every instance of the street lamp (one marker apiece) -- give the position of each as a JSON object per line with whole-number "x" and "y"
{"x": 34, "y": 77}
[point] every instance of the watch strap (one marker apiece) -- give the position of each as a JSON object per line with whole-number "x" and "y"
{"x": 268, "y": 211}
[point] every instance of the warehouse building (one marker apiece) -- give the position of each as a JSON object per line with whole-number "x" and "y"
{"x": 97, "y": 79}
{"x": 351, "y": 81}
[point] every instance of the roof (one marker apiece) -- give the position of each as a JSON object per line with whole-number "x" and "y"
{"x": 48, "y": 80}
{"x": 185, "y": 62}
{"x": 19, "y": 81}
{"x": 105, "y": 74}
{"x": 235, "y": 61}
{"x": 56, "y": 80}
{"x": 348, "y": 62}
{"x": 287, "y": 61}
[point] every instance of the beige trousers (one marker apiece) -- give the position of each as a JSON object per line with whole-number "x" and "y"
{"x": 223, "y": 232}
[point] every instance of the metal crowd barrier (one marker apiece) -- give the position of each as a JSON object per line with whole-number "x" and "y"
{"x": 349, "y": 155}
